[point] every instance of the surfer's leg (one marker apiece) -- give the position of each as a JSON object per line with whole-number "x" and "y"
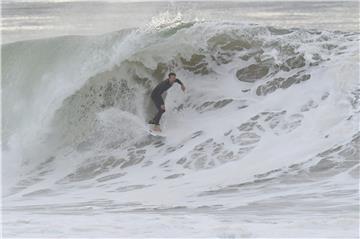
{"x": 158, "y": 102}
{"x": 153, "y": 98}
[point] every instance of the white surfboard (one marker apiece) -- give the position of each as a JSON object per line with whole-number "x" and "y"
{"x": 153, "y": 132}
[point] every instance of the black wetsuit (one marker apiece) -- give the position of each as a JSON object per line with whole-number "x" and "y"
{"x": 158, "y": 100}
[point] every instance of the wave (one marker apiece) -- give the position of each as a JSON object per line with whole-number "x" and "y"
{"x": 256, "y": 95}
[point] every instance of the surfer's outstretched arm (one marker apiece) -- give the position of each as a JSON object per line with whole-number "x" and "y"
{"x": 182, "y": 85}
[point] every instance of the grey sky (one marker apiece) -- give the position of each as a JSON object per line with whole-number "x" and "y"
{"x": 172, "y": 0}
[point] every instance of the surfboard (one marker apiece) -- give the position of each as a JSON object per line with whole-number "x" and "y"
{"x": 154, "y": 132}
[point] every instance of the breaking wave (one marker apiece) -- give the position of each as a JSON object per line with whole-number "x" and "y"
{"x": 264, "y": 107}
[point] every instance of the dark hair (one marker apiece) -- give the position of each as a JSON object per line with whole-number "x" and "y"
{"x": 172, "y": 74}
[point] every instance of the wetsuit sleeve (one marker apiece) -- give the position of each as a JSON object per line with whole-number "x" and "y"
{"x": 178, "y": 81}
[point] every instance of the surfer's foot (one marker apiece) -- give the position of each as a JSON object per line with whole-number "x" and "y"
{"x": 157, "y": 128}
{"x": 151, "y": 122}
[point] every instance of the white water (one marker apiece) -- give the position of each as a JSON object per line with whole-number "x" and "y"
{"x": 268, "y": 150}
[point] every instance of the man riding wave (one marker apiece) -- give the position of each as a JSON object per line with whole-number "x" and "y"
{"x": 158, "y": 100}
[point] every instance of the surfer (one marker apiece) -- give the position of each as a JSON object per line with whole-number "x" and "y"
{"x": 158, "y": 100}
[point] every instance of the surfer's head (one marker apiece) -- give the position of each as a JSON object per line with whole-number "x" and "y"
{"x": 172, "y": 77}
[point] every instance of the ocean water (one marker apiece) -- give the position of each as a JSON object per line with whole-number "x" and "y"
{"x": 263, "y": 143}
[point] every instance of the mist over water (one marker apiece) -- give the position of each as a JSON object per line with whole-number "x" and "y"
{"x": 32, "y": 20}
{"x": 263, "y": 143}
